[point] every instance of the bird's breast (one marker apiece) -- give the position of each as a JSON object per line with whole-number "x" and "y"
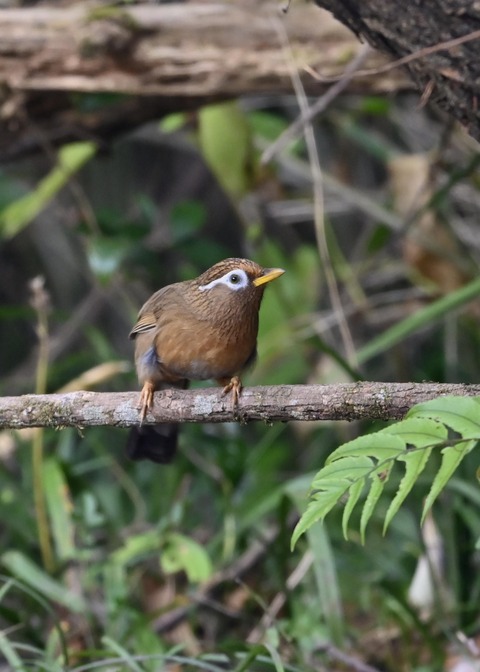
{"x": 199, "y": 351}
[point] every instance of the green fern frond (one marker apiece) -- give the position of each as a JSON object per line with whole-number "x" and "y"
{"x": 363, "y": 466}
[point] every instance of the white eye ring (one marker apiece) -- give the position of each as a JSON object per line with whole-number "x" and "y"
{"x": 236, "y": 280}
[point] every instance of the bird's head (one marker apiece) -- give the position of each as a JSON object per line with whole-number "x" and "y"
{"x": 237, "y": 276}
{"x": 236, "y": 283}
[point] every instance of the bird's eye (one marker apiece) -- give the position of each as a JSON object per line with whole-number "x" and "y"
{"x": 236, "y": 280}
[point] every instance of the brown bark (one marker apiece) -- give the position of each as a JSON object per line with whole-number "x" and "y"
{"x": 162, "y": 58}
{"x": 449, "y": 77}
{"x": 351, "y": 401}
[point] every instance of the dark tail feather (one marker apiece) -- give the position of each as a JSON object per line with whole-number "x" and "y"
{"x": 157, "y": 443}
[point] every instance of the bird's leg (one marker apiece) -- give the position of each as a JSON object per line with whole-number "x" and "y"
{"x": 146, "y": 399}
{"x": 234, "y": 385}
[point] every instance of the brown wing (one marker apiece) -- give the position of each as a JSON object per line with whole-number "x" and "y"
{"x": 144, "y": 323}
{"x": 150, "y": 312}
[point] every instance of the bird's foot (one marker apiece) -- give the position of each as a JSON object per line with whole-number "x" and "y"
{"x": 235, "y": 387}
{"x": 146, "y": 400}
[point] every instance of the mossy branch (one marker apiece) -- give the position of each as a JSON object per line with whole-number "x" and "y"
{"x": 351, "y": 401}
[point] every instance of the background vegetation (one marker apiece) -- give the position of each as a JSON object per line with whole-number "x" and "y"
{"x": 113, "y": 565}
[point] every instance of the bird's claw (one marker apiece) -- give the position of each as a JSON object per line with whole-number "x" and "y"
{"x": 145, "y": 402}
{"x": 235, "y": 387}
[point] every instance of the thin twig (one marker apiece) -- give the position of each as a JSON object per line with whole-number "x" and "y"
{"x": 346, "y": 659}
{"x": 280, "y": 598}
{"x": 415, "y": 56}
{"x": 351, "y": 72}
{"x": 290, "y": 133}
{"x": 319, "y": 220}
{"x": 40, "y": 302}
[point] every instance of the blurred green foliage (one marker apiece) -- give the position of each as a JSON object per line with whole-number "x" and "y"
{"x": 189, "y": 566}
{"x": 21, "y": 212}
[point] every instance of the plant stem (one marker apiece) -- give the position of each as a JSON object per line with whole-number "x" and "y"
{"x": 40, "y": 303}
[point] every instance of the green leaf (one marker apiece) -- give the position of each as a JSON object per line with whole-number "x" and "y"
{"x": 334, "y": 479}
{"x": 123, "y": 654}
{"x": 26, "y": 570}
{"x": 423, "y": 434}
{"x": 59, "y": 508}
{"x": 451, "y": 458}
{"x": 273, "y": 649}
{"x": 353, "y": 496}
{"x": 378, "y": 480}
{"x": 183, "y": 553}
{"x": 415, "y": 463}
{"x": 173, "y": 122}
{"x": 421, "y": 318}
{"x": 331, "y": 483}
{"x": 115, "y": 581}
{"x": 138, "y": 546}
{"x": 269, "y": 126}
{"x": 10, "y": 654}
{"x": 375, "y": 105}
{"x": 17, "y": 215}
{"x": 324, "y": 569}
{"x": 326, "y": 578}
{"x": 418, "y": 431}
{"x": 226, "y": 145}
{"x": 459, "y": 413}
{"x": 381, "y": 445}
{"x": 313, "y": 514}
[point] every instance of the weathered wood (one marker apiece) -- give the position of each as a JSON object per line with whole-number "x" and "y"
{"x": 350, "y": 401}
{"x": 162, "y": 57}
{"x": 171, "y": 50}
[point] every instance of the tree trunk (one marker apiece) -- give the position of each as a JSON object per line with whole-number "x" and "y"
{"x": 449, "y": 77}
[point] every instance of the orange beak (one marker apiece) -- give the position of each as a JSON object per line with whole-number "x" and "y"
{"x": 269, "y": 274}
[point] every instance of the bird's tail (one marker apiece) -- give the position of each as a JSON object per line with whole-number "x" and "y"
{"x": 157, "y": 443}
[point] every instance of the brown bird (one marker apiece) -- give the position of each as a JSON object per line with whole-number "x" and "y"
{"x": 199, "y": 329}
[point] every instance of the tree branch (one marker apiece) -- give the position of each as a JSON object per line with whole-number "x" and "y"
{"x": 351, "y": 401}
